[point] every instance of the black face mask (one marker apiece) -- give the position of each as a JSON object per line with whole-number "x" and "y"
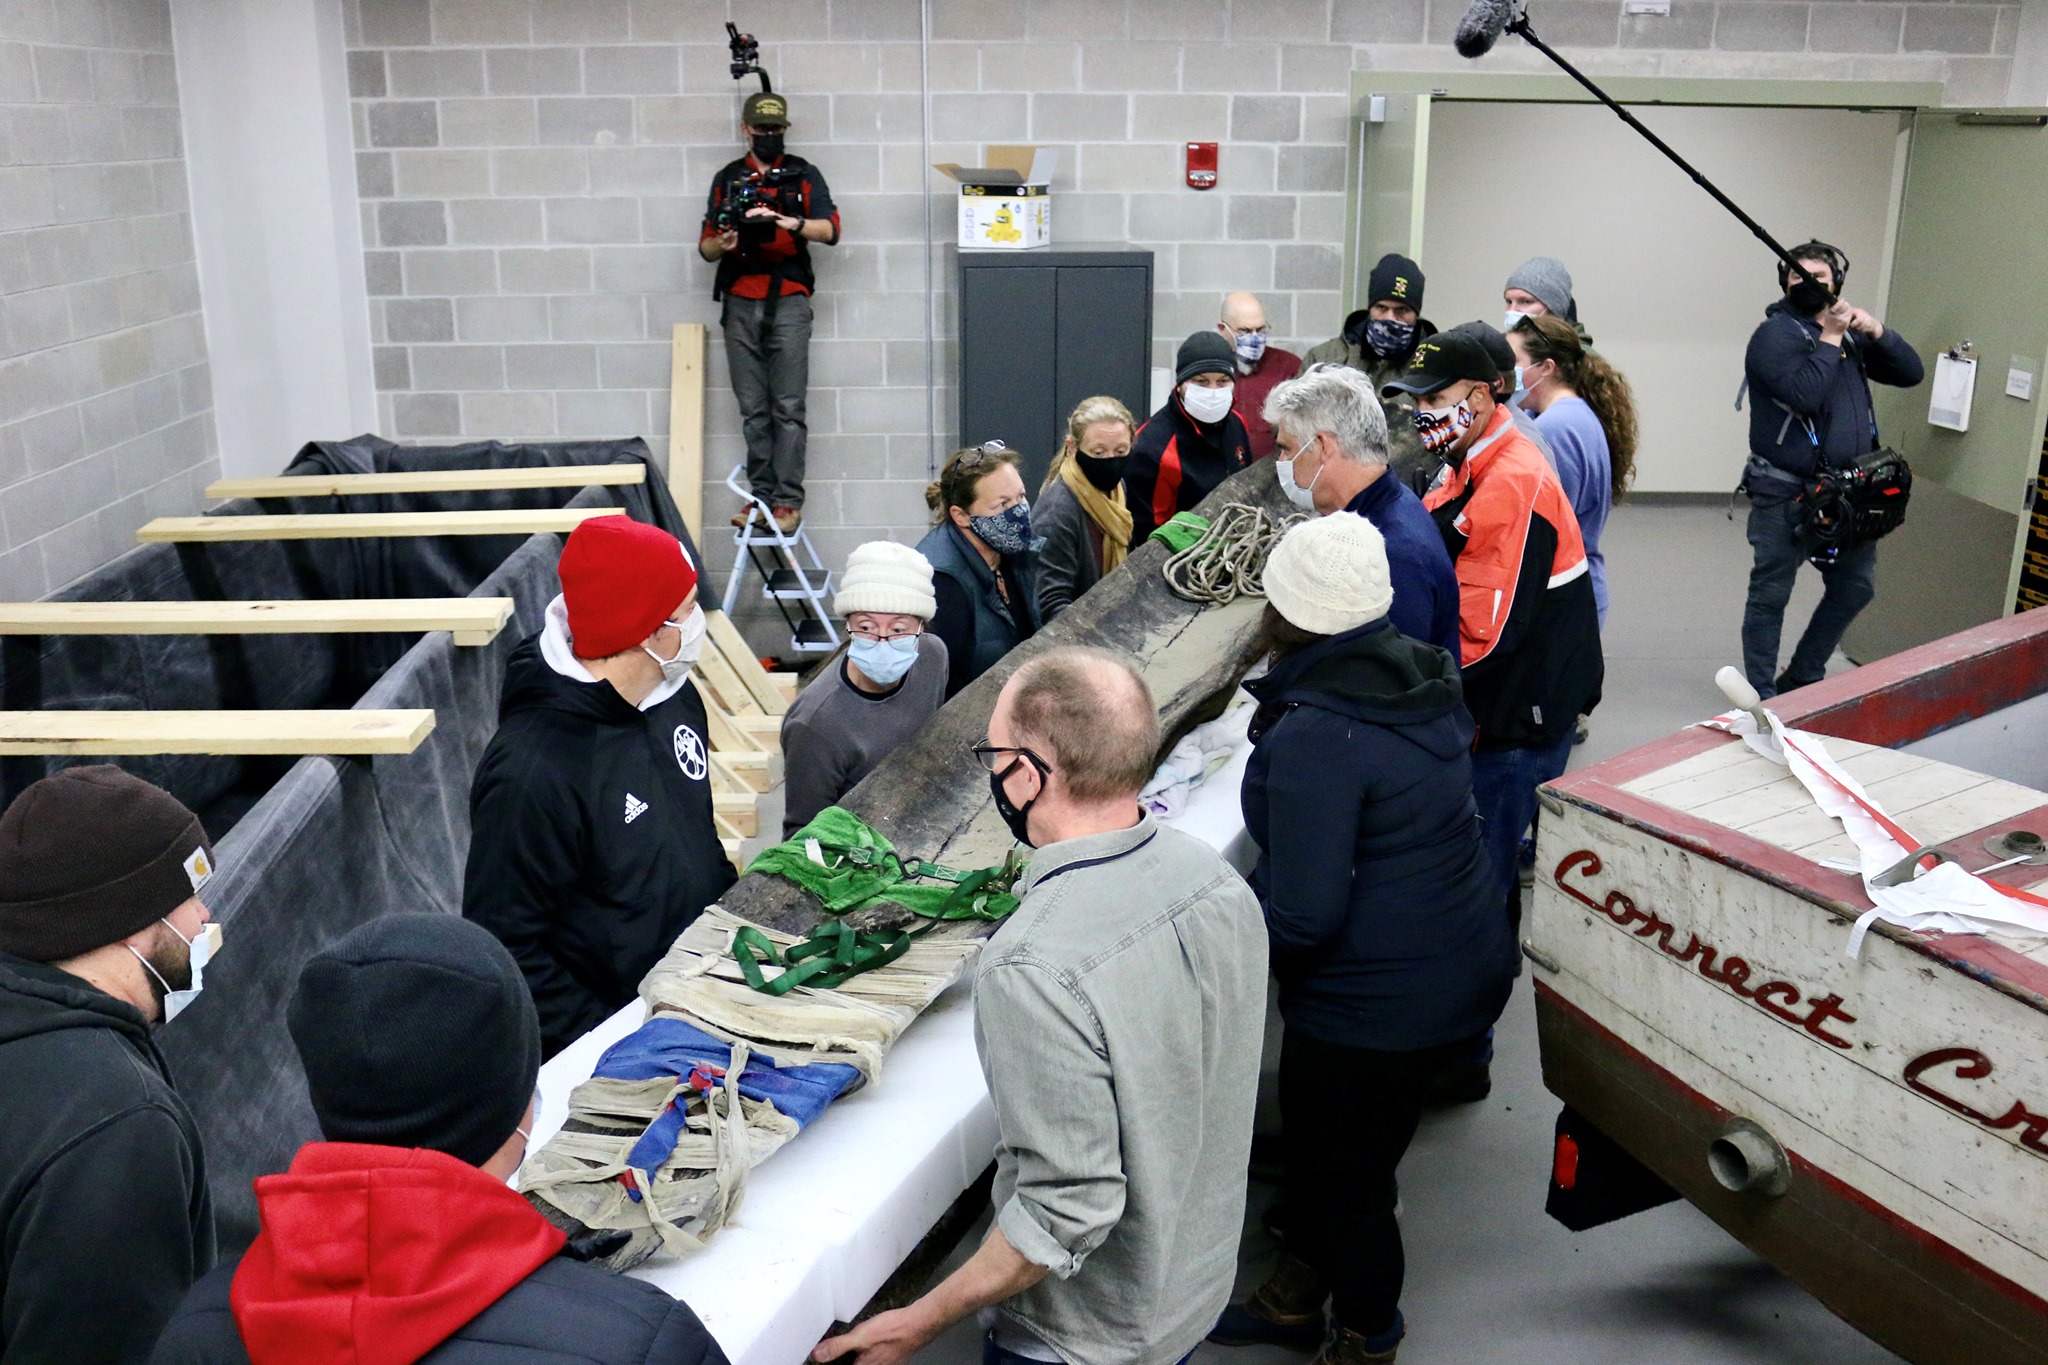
{"x": 767, "y": 146}
{"x": 1807, "y": 296}
{"x": 1017, "y": 817}
{"x": 1105, "y": 474}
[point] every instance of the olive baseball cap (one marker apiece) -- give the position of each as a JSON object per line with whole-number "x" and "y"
{"x": 763, "y": 110}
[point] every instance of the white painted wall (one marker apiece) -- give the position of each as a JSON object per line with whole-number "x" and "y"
{"x": 276, "y": 224}
{"x": 1669, "y": 284}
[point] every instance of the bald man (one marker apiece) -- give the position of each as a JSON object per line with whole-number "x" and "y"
{"x": 1116, "y": 1014}
{"x": 1261, "y": 366}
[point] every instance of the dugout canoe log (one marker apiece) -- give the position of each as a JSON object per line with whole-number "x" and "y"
{"x": 1692, "y": 981}
{"x": 931, "y": 800}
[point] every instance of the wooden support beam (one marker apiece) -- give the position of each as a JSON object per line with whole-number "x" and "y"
{"x": 765, "y": 731}
{"x": 686, "y": 425}
{"x": 429, "y": 481}
{"x": 353, "y": 525}
{"x": 725, "y": 637}
{"x": 213, "y": 732}
{"x": 474, "y": 620}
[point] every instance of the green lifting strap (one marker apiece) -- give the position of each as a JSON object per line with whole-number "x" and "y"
{"x": 855, "y": 867}
{"x": 827, "y": 957}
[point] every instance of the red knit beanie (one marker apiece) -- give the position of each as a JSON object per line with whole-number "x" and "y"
{"x": 620, "y": 581}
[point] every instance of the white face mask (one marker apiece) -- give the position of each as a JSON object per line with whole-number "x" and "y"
{"x": 688, "y": 648}
{"x": 1304, "y": 498}
{"x": 1207, "y": 404}
{"x": 202, "y": 950}
{"x": 1513, "y": 316}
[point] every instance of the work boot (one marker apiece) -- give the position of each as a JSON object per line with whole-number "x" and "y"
{"x": 1346, "y": 1347}
{"x": 740, "y": 518}
{"x": 1287, "y": 1310}
{"x": 787, "y": 519}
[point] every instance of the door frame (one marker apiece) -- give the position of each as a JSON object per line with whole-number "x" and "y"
{"x": 1905, "y": 97}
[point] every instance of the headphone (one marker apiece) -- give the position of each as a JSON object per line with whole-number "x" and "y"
{"x": 1836, "y": 259}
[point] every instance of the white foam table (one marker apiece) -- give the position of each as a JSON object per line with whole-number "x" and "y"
{"x": 828, "y": 1218}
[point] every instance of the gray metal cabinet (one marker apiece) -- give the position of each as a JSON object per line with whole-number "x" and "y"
{"x": 1042, "y": 329}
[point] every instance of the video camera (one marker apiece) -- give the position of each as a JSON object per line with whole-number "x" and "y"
{"x": 766, "y": 189}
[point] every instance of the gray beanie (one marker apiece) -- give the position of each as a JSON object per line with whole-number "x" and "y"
{"x": 1548, "y": 280}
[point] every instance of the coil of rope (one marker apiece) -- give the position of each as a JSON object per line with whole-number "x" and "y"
{"x": 1229, "y": 560}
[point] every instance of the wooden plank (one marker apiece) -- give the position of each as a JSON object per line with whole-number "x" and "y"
{"x": 474, "y": 620}
{"x": 725, "y": 736}
{"x": 429, "y": 481}
{"x": 354, "y": 525}
{"x": 686, "y": 425}
{"x": 725, "y": 637}
{"x": 714, "y": 671}
{"x": 213, "y": 732}
{"x": 765, "y": 731}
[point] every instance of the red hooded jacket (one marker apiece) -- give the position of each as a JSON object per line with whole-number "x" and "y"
{"x": 376, "y": 1255}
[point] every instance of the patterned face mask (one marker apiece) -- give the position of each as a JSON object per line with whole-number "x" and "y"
{"x": 1008, "y": 532}
{"x": 1440, "y": 428}
{"x": 1389, "y": 337}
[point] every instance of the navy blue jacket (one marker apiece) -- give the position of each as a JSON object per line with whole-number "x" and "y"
{"x": 1797, "y": 382}
{"x": 564, "y": 1313}
{"x": 1386, "y": 928}
{"x": 1425, "y": 585}
{"x": 978, "y": 626}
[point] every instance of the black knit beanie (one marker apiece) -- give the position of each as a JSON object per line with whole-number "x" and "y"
{"x": 1204, "y": 353}
{"x": 90, "y": 855}
{"x": 417, "y": 1031}
{"x": 1396, "y": 279}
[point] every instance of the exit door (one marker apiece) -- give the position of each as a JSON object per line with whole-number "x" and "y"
{"x": 1971, "y": 264}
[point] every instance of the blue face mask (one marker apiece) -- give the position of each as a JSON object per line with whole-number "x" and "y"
{"x": 1007, "y": 533}
{"x": 884, "y": 662}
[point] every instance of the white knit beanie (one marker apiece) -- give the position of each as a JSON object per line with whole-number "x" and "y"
{"x": 1329, "y": 574}
{"x": 884, "y": 576}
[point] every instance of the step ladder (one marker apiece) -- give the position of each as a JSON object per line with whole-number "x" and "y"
{"x": 789, "y": 569}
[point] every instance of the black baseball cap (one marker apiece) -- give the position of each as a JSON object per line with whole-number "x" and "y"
{"x": 763, "y": 110}
{"x": 1492, "y": 338}
{"x": 1441, "y": 361}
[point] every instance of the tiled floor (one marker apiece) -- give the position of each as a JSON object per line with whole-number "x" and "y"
{"x": 1490, "y": 1277}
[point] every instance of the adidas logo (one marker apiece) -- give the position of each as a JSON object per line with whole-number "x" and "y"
{"x": 635, "y": 808}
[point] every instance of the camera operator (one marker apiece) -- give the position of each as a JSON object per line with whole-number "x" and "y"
{"x": 1808, "y": 369}
{"x": 765, "y": 210}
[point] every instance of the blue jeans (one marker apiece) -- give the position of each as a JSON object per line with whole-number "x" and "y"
{"x": 1777, "y": 535}
{"x": 1504, "y": 783}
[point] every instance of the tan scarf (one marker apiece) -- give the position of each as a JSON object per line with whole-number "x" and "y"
{"x": 1106, "y": 510}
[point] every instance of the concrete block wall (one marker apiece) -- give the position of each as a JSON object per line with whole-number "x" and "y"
{"x": 106, "y": 408}
{"x": 533, "y": 174}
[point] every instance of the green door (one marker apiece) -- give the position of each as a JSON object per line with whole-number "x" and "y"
{"x": 1971, "y": 264}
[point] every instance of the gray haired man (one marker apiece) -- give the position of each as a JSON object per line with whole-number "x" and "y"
{"x": 1117, "y": 1016}
{"x": 1331, "y": 452}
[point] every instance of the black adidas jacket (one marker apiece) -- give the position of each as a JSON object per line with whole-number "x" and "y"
{"x": 591, "y": 839}
{"x": 105, "y": 1219}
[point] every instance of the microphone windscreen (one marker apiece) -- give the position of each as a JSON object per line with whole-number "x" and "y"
{"x": 1482, "y": 26}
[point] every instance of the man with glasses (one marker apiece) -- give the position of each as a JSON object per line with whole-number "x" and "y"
{"x": 592, "y": 843}
{"x": 1529, "y": 632}
{"x": 1260, "y": 366}
{"x": 1111, "y": 1015}
{"x": 889, "y": 682}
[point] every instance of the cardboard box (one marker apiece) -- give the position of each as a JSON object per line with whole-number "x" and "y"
{"x": 1007, "y": 204}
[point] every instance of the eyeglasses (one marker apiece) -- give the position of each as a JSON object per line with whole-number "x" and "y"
{"x": 989, "y": 756}
{"x": 1264, "y": 329}
{"x": 878, "y": 636}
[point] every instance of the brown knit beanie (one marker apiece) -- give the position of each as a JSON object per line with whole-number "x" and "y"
{"x": 89, "y": 856}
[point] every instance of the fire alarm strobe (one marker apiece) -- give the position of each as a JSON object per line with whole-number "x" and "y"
{"x": 1202, "y": 165}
